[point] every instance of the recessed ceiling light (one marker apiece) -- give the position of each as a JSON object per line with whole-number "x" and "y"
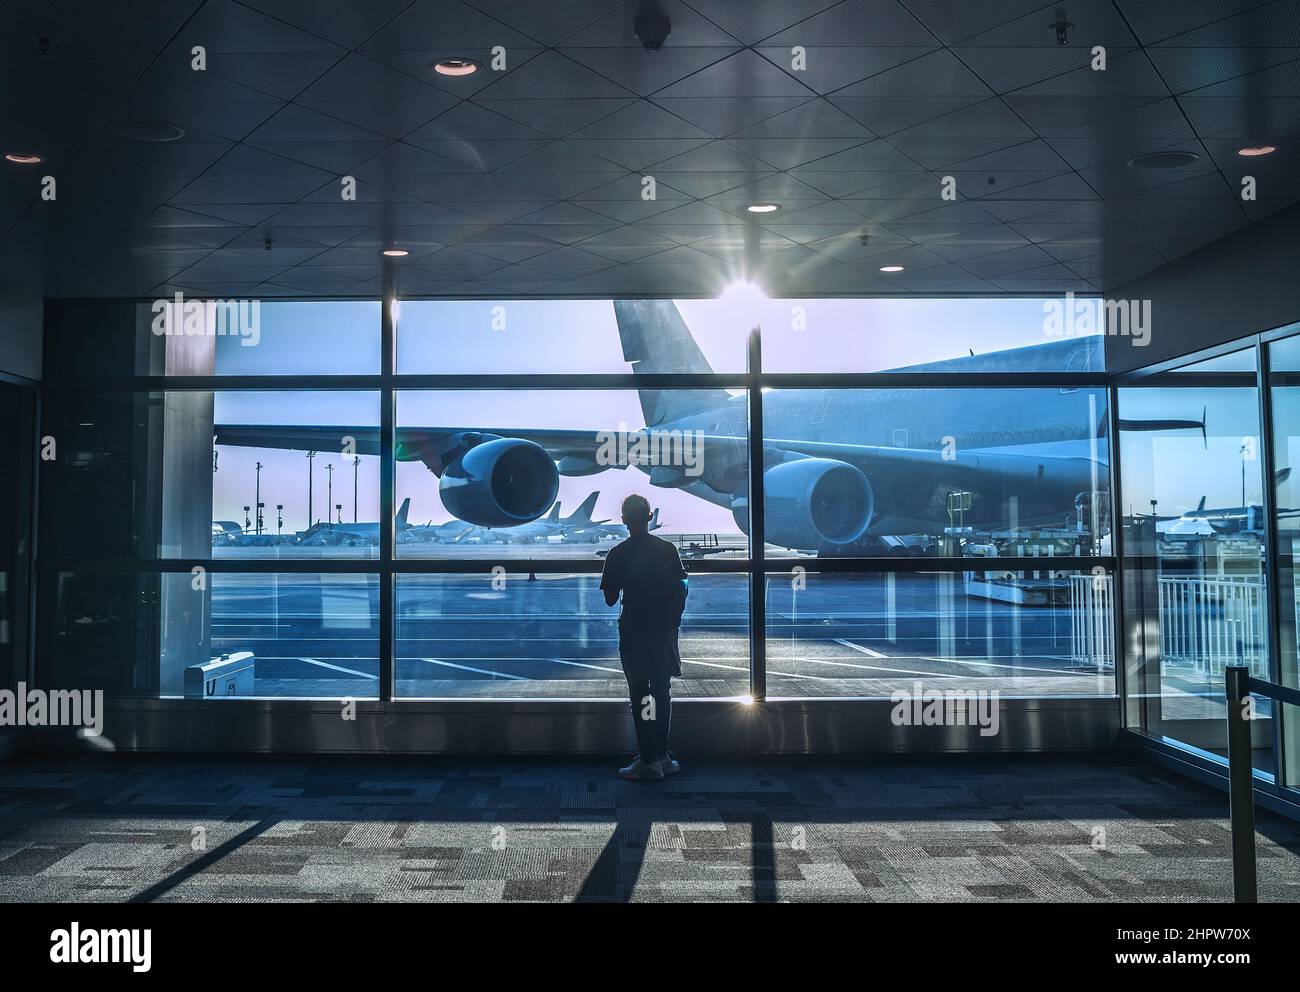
{"x": 147, "y": 130}
{"x": 1163, "y": 160}
{"x": 23, "y": 159}
{"x": 1254, "y": 151}
{"x": 891, "y": 268}
{"x": 455, "y": 67}
{"x": 396, "y": 252}
{"x": 763, "y": 208}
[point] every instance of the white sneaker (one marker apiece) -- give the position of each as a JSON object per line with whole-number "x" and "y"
{"x": 669, "y": 765}
{"x": 641, "y": 771}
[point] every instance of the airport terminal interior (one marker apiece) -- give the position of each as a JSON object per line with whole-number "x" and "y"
{"x": 954, "y": 346}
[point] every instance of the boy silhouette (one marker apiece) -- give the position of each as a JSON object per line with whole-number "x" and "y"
{"x": 648, "y": 572}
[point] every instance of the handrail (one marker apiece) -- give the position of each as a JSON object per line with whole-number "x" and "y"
{"x": 1239, "y": 684}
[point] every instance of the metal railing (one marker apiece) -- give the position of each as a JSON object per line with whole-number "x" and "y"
{"x": 1092, "y": 625}
{"x": 1213, "y": 623}
{"x": 1241, "y": 771}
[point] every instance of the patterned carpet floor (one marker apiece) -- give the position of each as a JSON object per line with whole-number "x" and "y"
{"x": 1105, "y": 827}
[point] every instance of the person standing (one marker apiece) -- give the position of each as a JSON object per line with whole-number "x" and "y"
{"x": 648, "y": 573}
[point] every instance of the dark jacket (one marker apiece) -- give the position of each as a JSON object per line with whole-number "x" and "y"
{"x": 648, "y": 572}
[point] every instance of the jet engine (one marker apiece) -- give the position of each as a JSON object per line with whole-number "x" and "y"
{"x": 817, "y": 503}
{"x": 500, "y": 483}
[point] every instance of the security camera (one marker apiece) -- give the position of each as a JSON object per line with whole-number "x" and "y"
{"x": 652, "y": 27}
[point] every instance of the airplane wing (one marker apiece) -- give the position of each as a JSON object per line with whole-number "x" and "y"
{"x": 956, "y": 467}
{"x": 438, "y": 446}
{"x": 435, "y": 446}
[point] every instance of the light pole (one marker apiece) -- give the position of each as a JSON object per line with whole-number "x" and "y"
{"x": 279, "y": 518}
{"x": 311, "y": 457}
{"x": 356, "y": 464}
{"x": 257, "y": 497}
{"x": 1245, "y": 447}
{"x": 329, "y": 492}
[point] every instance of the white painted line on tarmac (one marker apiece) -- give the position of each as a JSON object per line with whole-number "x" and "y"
{"x": 480, "y": 671}
{"x": 876, "y": 668}
{"x": 859, "y": 647}
{"x": 337, "y": 668}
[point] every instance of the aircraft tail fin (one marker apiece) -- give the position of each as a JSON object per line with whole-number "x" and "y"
{"x": 656, "y": 341}
{"x": 583, "y": 513}
{"x": 654, "y": 520}
{"x": 403, "y": 512}
{"x": 554, "y": 515}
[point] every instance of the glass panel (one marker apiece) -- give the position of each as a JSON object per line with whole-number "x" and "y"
{"x": 1031, "y": 633}
{"x": 300, "y": 635}
{"x": 510, "y": 634}
{"x": 923, "y": 473}
{"x": 930, "y": 335}
{"x": 100, "y": 630}
{"x": 271, "y": 337}
{"x": 1284, "y": 375}
{"x": 1236, "y": 361}
{"x": 309, "y": 458}
{"x": 98, "y": 489}
{"x": 16, "y": 409}
{"x": 535, "y": 473}
{"x": 710, "y": 335}
{"x": 570, "y": 336}
{"x": 1194, "y": 545}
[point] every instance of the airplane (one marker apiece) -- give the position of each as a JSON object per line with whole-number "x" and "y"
{"x": 1219, "y": 520}
{"x": 568, "y": 528}
{"x": 843, "y": 468}
{"x": 356, "y": 534}
{"x": 604, "y": 531}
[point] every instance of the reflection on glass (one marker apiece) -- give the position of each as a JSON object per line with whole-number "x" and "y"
{"x": 308, "y": 635}
{"x": 512, "y": 634}
{"x": 540, "y": 473}
{"x": 1284, "y": 369}
{"x": 930, "y": 472}
{"x": 1194, "y": 545}
{"x": 1023, "y": 632}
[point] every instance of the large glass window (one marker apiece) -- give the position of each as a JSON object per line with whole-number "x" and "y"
{"x": 1032, "y": 633}
{"x": 237, "y": 535}
{"x": 542, "y": 473}
{"x": 936, "y": 472}
{"x": 1194, "y": 551}
{"x": 294, "y": 474}
{"x": 508, "y": 632}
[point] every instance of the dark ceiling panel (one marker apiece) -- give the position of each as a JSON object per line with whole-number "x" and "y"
{"x": 530, "y": 175}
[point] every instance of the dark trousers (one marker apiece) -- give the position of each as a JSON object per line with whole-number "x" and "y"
{"x": 651, "y": 735}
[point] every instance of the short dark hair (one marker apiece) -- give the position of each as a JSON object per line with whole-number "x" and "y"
{"x": 636, "y": 507}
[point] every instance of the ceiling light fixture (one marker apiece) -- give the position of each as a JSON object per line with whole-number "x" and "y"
{"x": 23, "y": 159}
{"x": 1163, "y": 160}
{"x": 1254, "y": 151}
{"x": 455, "y": 67}
{"x": 396, "y": 252}
{"x": 763, "y": 208}
{"x": 153, "y": 131}
{"x": 891, "y": 268}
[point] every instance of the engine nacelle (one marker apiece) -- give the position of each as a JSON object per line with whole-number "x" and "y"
{"x": 817, "y": 503}
{"x": 500, "y": 483}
